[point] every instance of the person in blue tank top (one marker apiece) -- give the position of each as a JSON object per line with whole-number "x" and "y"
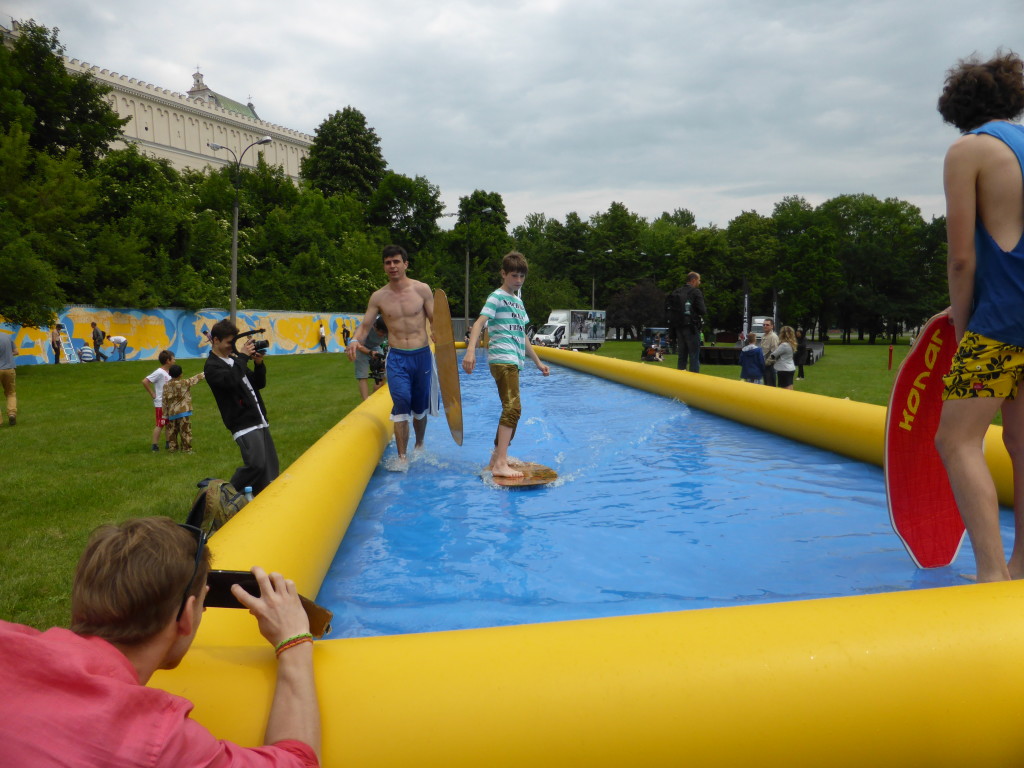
{"x": 984, "y": 186}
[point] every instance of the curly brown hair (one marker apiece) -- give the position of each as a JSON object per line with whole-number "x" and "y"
{"x": 977, "y": 92}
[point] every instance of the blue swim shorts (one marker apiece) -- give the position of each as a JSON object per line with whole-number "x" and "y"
{"x": 409, "y": 372}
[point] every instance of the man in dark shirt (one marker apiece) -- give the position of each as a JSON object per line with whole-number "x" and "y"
{"x": 236, "y": 389}
{"x": 687, "y": 314}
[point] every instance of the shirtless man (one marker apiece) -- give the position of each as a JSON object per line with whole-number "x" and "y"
{"x": 406, "y": 305}
{"x": 984, "y": 224}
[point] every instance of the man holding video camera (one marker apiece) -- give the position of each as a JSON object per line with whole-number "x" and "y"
{"x": 236, "y": 388}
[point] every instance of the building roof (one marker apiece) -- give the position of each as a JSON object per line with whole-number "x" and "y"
{"x": 202, "y": 92}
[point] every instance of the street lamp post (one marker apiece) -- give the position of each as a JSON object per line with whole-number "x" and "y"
{"x": 234, "y": 223}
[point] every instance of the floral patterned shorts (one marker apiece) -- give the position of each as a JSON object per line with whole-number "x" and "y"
{"x": 983, "y": 367}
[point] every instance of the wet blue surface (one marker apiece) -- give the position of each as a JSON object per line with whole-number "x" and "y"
{"x": 659, "y": 507}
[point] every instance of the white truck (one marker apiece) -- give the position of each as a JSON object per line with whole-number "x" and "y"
{"x": 572, "y": 329}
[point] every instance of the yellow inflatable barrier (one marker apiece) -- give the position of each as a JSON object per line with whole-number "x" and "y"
{"x": 922, "y": 678}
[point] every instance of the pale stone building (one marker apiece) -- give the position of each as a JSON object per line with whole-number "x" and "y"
{"x": 177, "y": 127}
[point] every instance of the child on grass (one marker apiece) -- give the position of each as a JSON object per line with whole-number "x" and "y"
{"x": 506, "y": 321}
{"x": 178, "y": 409}
{"x": 752, "y": 361}
{"x": 154, "y": 385}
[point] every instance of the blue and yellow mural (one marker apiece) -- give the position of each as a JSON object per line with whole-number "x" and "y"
{"x": 183, "y": 332}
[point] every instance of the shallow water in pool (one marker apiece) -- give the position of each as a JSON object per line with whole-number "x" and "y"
{"x": 658, "y": 507}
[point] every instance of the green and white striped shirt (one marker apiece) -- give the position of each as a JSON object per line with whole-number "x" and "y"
{"x": 506, "y": 328}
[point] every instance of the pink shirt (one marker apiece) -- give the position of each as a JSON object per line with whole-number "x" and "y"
{"x": 71, "y": 701}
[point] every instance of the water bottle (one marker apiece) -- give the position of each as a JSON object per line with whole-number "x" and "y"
{"x": 248, "y": 493}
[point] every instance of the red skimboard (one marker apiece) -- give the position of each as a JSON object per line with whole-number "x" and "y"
{"x": 533, "y": 474}
{"x": 921, "y": 505}
{"x": 447, "y": 363}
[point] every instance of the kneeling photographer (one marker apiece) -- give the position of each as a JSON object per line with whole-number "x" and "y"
{"x": 236, "y": 388}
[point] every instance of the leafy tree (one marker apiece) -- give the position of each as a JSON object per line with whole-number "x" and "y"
{"x": 146, "y": 212}
{"x": 642, "y": 306}
{"x": 706, "y": 250}
{"x": 69, "y": 112}
{"x": 345, "y": 156}
{"x": 615, "y": 249}
{"x": 480, "y": 239}
{"x": 316, "y": 255}
{"x": 874, "y": 242}
{"x": 29, "y": 293}
{"x": 44, "y": 219}
{"x": 663, "y": 242}
{"x": 408, "y": 209}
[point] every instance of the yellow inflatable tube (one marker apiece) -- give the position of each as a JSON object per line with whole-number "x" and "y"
{"x": 926, "y": 678}
{"x": 847, "y": 427}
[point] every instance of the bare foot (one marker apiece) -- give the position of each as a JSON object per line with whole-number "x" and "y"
{"x": 504, "y": 470}
{"x": 397, "y": 464}
{"x": 969, "y": 576}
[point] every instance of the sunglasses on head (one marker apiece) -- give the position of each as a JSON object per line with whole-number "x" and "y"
{"x": 201, "y": 539}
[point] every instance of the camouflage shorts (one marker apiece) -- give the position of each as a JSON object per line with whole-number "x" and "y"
{"x": 983, "y": 367}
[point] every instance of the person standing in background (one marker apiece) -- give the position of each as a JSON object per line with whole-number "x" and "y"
{"x": 97, "y": 339}
{"x": 55, "y": 343}
{"x": 7, "y": 378}
{"x": 769, "y": 341}
{"x": 686, "y": 315}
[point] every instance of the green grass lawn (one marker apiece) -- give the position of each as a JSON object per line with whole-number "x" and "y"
{"x": 80, "y": 455}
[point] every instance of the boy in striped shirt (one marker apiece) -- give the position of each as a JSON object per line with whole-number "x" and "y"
{"x": 506, "y": 320}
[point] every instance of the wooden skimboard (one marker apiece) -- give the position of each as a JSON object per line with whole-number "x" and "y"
{"x": 447, "y": 362}
{"x": 921, "y": 504}
{"x": 533, "y": 474}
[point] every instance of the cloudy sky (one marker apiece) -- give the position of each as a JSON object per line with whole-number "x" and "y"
{"x": 718, "y": 106}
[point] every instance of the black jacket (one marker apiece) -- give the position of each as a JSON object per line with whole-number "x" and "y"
{"x": 237, "y": 408}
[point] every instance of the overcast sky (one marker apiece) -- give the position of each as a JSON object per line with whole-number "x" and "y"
{"x": 718, "y": 106}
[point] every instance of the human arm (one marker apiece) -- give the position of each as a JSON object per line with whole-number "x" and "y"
{"x": 148, "y": 385}
{"x": 532, "y": 354}
{"x": 960, "y": 178}
{"x": 469, "y": 360}
{"x": 359, "y": 337}
{"x": 428, "y": 302}
{"x": 699, "y": 305}
{"x": 294, "y": 710}
{"x": 428, "y": 309}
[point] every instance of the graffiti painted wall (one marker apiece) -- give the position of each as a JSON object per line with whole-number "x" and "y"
{"x": 151, "y": 330}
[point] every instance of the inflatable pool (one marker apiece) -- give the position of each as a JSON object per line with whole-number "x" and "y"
{"x": 926, "y": 677}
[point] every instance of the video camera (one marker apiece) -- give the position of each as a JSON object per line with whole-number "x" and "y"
{"x": 378, "y": 366}
{"x": 261, "y": 344}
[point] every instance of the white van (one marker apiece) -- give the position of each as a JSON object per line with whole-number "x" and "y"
{"x": 572, "y": 329}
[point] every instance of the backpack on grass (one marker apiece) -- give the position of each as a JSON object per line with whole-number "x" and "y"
{"x": 218, "y": 501}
